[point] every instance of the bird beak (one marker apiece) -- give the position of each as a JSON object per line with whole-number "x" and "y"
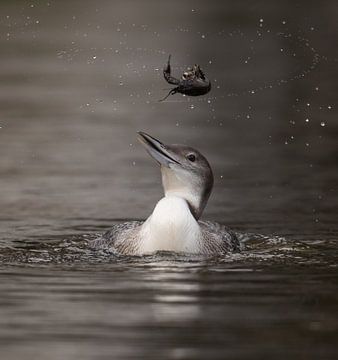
{"x": 157, "y": 150}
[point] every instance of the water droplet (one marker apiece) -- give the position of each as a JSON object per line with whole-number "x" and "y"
{"x": 307, "y": 120}
{"x": 261, "y": 20}
{"x": 94, "y": 57}
{"x": 322, "y": 123}
{"x": 329, "y": 107}
{"x": 203, "y": 36}
{"x": 192, "y": 106}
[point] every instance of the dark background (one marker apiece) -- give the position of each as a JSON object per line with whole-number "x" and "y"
{"x": 77, "y": 80}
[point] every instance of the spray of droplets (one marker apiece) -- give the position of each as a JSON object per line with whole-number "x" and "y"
{"x": 301, "y": 42}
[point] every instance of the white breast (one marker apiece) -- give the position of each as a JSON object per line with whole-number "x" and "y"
{"x": 170, "y": 227}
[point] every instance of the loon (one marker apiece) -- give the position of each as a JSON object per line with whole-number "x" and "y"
{"x": 174, "y": 224}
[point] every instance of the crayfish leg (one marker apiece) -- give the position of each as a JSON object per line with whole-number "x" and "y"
{"x": 171, "y": 92}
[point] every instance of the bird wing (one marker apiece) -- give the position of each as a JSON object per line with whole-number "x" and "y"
{"x": 117, "y": 235}
{"x": 218, "y": 237}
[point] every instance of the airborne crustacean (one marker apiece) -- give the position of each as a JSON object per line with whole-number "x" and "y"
{"x": 193, "y": 81}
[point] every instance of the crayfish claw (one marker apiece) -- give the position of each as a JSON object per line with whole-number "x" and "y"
{"x": 167, "y": 74}
{"x": 167, "y": 68}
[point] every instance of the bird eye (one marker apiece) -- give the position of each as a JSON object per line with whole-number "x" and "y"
{"x": 191, "y": 157}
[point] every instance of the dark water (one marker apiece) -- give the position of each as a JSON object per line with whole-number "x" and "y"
{"x": 77, "y": 80}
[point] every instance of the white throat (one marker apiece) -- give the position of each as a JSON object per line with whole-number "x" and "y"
{"x": 170, "y": 227}
{"x": 181, "y": 183}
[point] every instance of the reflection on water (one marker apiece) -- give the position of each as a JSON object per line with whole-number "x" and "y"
{"x": 77, "y": 82}
{"x": 63, "y": 298}
{"x": 168, "y": 309}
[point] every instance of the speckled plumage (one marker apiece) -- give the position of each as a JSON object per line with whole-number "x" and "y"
{"x": 121, "y": 238}
{"x": 124, "y": 238}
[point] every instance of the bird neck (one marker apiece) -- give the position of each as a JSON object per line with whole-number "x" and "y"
{"x": 191, "y": 191}
{"x": 191, "y": 198}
